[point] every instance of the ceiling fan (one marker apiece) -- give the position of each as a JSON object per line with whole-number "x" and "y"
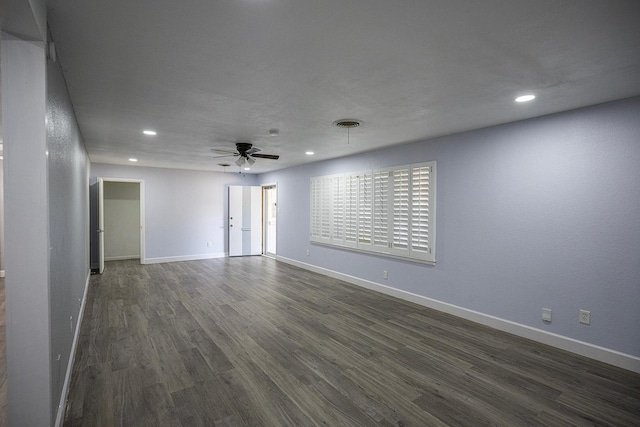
{"x": 246, "y": 152}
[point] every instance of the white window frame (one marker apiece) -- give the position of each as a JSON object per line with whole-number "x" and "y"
{"x": 388, "y": 211}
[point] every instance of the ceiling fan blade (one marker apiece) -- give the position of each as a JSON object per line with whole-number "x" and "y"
{"x": 223, "y": 151}
{"x": 226, "y": 155}
{"x": 266, "y": 156}
{"x": 253, "y": 150}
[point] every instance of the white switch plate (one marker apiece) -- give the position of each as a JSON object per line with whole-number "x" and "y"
{"x": 307, "y": 252}
{"x": 385, "y": 275}
{"x": 546, "y": 315}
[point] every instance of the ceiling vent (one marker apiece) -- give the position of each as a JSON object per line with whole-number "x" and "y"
{"x": 347, "y": 123}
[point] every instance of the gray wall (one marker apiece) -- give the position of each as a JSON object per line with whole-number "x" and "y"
{"x": 533, "y": 214}
{"x": 68, "y": 167}
{"x": 1, "y": 214}
{"x": 183, "y": 209}
{"x": 26, "y": 232}
{"x": 46, "y": 216}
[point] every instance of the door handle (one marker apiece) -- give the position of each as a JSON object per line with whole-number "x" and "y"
{"x": 100, "y": 231}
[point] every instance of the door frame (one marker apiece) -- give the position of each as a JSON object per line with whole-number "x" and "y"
{"x": 101, "y": 181}
{"x": 264, "y": 220}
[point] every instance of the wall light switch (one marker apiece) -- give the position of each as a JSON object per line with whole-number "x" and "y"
{"x": 546, "y": 315}
{"x": 385, "y": 275}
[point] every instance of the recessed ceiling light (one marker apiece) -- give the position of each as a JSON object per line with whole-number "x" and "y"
{"x": 150, "y": 132}
{"x": 525, "y": 98}
{"x": 309, "y": 153}
{"x": 133, "y": 160}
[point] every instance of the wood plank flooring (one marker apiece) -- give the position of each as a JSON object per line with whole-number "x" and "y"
{"x": 3, "y": 357}
{"x": 254, "y": 342}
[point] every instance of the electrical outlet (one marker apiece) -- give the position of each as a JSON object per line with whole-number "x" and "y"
{"x": 385, "y": 275}
{"x": 585, "y": 317}
{"x": 546, "y": 315}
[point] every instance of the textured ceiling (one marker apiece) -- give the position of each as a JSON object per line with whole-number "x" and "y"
{"x": 206, "y": 73}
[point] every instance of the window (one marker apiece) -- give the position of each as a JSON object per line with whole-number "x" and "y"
{"x": 388, "y": 211}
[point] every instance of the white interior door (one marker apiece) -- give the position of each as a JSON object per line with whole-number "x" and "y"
{"x": 270, "y": 213}
{"x": 245, "y": 220}
{"x": 235, "y": 221}
{"x": 101, "y": 225}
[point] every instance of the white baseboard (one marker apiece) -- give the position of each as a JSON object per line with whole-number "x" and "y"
{"x": 602, "y": 354}
{"x": 72, "y": 357}
{"x": 121, "y": 258}
{"x": 184, "y": 258}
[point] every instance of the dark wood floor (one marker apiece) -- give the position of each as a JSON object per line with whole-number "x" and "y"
{"x": 250, "y": 341}
{"x": 3, "y": 358}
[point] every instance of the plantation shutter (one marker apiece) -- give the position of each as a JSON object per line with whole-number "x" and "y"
{"x": 420, "y": 211}
{"x": 381, "y": 210}
{"x": 316, "y": 184}
{"x": 351, "y": 210}
{"x": 388, "y": 211}
{"x": 365, "y": 199}
{"x": 400, "y": 227}
{"x": 337, "y": 234}
{"x": 325, "y": 210}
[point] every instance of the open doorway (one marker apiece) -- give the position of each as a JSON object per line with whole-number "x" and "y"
{"x": 269, "y": 219}
{"x": 120, "y": 215}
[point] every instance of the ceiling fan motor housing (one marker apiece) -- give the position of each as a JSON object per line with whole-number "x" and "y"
{"x": 243, "y": 147}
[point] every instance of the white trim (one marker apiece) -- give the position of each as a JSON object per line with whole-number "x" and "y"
{"x": 72, "y": 357}
{"x": 264, "y": 220}
{"x": 2, "y": 273}
{"x": 143, "y": 226}
{"x": 185, "y": 258}
{"x": 602, "y": 354}
{"x": 121, "y": 257}
{"x": 372, "y": 252}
